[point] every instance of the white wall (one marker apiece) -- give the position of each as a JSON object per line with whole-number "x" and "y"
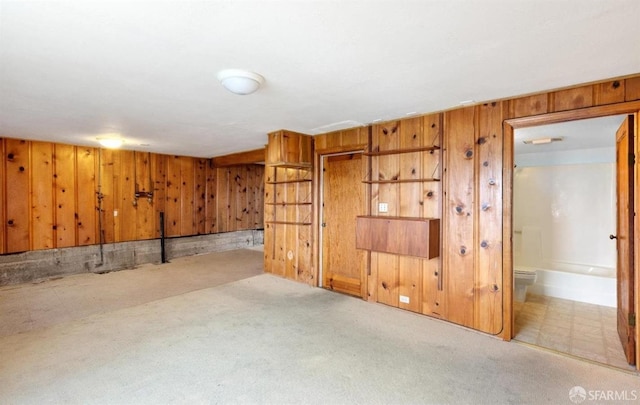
{"x": 565, "y": 212}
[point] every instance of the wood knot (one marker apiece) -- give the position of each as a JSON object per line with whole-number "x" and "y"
{"x": 429, "y": 194}
{"x": 21, "y": 168}
{"x": 10, "y": 222}
{"x": 482, "y": 140}
{"x": 484, "y": 244}
{"x": 384, "y": 131}
{"x": 394, "y": 129}
{"x": 10, "y": 156}
{"x": 492, "y": 182}
{"x": 616, "y": 84}
{"x": 468, "y": 154}
{"x": 459, "y": 209}
{"x": 384, "y": 285}
{"x": 495, "y": 288}
{"x": 485, "y": 163}
{"x": 485, "y": 206}
{"x": 463, "y": 250}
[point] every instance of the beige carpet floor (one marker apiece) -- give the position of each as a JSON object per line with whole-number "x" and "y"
{"x": 264, "y": 339}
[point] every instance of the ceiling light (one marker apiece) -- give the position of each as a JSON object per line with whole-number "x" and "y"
{"x": 240, "y": 81}
{"x": 467, "y": 102}
{"x": 542, "y": 141}
{"x": 110, "y": 141}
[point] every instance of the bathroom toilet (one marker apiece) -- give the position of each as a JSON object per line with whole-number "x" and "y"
{"x": 523, "y": 279}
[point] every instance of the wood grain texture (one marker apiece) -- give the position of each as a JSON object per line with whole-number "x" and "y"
{"x": 241, "y": 158}
{"x": 65, "y": 192}
{"x": 17, "y": 171}
{"x": 173, "y": 196}
{"x": 488, "y": 211}
{"x": 531, "y": 105}
{"x": 632, "y": 89}
{"x": 609, "y": 92}
{"x": 571, "y": 99}
{"x": 87, "y": 202}
{"x": 211, "y": 201}
{"x": 42, "y": 210}
{"x": 200, "y": 196}
{"x": 127, "y": 211}
{"x": 187, "y": 198}
{"x": 3, "y": 201}
{"x": 158, "y": 168}
{"x": 143, "y": 183}
{"x": 106, "y": 187}
{"x": 458, "y": 216}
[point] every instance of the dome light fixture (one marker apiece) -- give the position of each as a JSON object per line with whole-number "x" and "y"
{"x": 239, "y": 81}
{"x": 110, "y": 141}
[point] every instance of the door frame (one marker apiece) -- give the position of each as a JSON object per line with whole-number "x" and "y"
{"x": 509, "y": 126}
{"x": 318, "y": 181}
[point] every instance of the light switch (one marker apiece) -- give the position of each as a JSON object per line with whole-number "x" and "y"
{"x": 383, "y": 207}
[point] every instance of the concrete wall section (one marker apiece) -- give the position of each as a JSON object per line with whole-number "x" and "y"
{"x": 42, "y": 264}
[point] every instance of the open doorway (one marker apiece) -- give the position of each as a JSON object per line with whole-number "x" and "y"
{"x": 564, "y": 211}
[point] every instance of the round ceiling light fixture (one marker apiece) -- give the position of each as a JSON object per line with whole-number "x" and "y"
{"x": 240, "y": 81}
{"x": 110, "y": 141}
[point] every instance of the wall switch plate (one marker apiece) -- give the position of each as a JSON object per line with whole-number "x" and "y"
{"x": 383, "y": 207}
{"x": 404, "y": 299}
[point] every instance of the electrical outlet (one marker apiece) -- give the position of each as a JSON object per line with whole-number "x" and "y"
{"x": 383, "y": 207}
{"x": 115, "y": 213}
{"x": 404, "y": 299}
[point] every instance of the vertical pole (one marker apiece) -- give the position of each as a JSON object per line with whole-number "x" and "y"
{"x": 162, "y": 249}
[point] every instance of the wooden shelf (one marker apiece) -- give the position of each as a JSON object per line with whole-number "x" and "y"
{"x": 399, "y": 181}
{"x": 287, "y": 223}
{"x": 289, "y": 181}
{"x": 291, "y": 203}
{"x": 400, "y": 151}
{"x": 418, "y": 237}
{"x": 301, "y": 166}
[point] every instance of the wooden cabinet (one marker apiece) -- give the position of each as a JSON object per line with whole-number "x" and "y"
{"x": 290, "y": 149}
{"x": 419, "y": 237}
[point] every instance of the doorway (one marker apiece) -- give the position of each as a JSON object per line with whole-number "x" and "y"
{"x": 564, "y": 210}
{"x": 342, "y": 199}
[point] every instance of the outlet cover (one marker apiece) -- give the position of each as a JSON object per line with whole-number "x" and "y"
{"x": 404, "y": 299}
{"x": 383, "y": 207}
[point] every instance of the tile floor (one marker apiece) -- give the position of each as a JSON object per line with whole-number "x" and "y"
{"x": 576, "y": 328}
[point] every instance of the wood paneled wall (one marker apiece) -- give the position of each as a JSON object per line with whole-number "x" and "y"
{"x": 51, "y": 192}
{"x": 471, "y": 291}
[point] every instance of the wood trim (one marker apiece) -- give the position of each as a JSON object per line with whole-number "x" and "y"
{"x": 507, "y": 233}
{"x": 571, "y": 115}
{"x": 255, "y": 156}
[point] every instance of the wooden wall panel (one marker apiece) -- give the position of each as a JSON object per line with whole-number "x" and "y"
{"x": 200, "y": 196}
{"x": 458, "y": 215}
{"x": 609, "y": 92}
{"x": 571, "y": 99}
{"x": 127, "y": 211}
{"x": 432, "y": 293}
{"x": 65, "y": 192}
{"x": 240, "y": 186}
{"x": 173, "y": 195}
{"x": 106, "y": 188}
{"x": 42, "y": 196}
{"x": 17, "y": 171}
{"x": 224, "y": 203}
{"x": 211, "y": 201}
{"x": 632, "y": 89}
{"x": 3, "y": 205}
{"x": 87, "y": 210}
{"x": 158, "y": 168}
{"x": 143, "y": 183}
{"x": 388, "y": 278}
{"x": 488, "y": 212}
{"x": 531, "y": 105}
{"x": 410, "y": 194}
{"x": 56, "y": 195}
{"x": 187, "y": 200}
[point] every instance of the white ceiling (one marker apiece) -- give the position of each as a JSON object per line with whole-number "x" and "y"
{"x": 590, "y": 133}
{"x": 72, "y": 70}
